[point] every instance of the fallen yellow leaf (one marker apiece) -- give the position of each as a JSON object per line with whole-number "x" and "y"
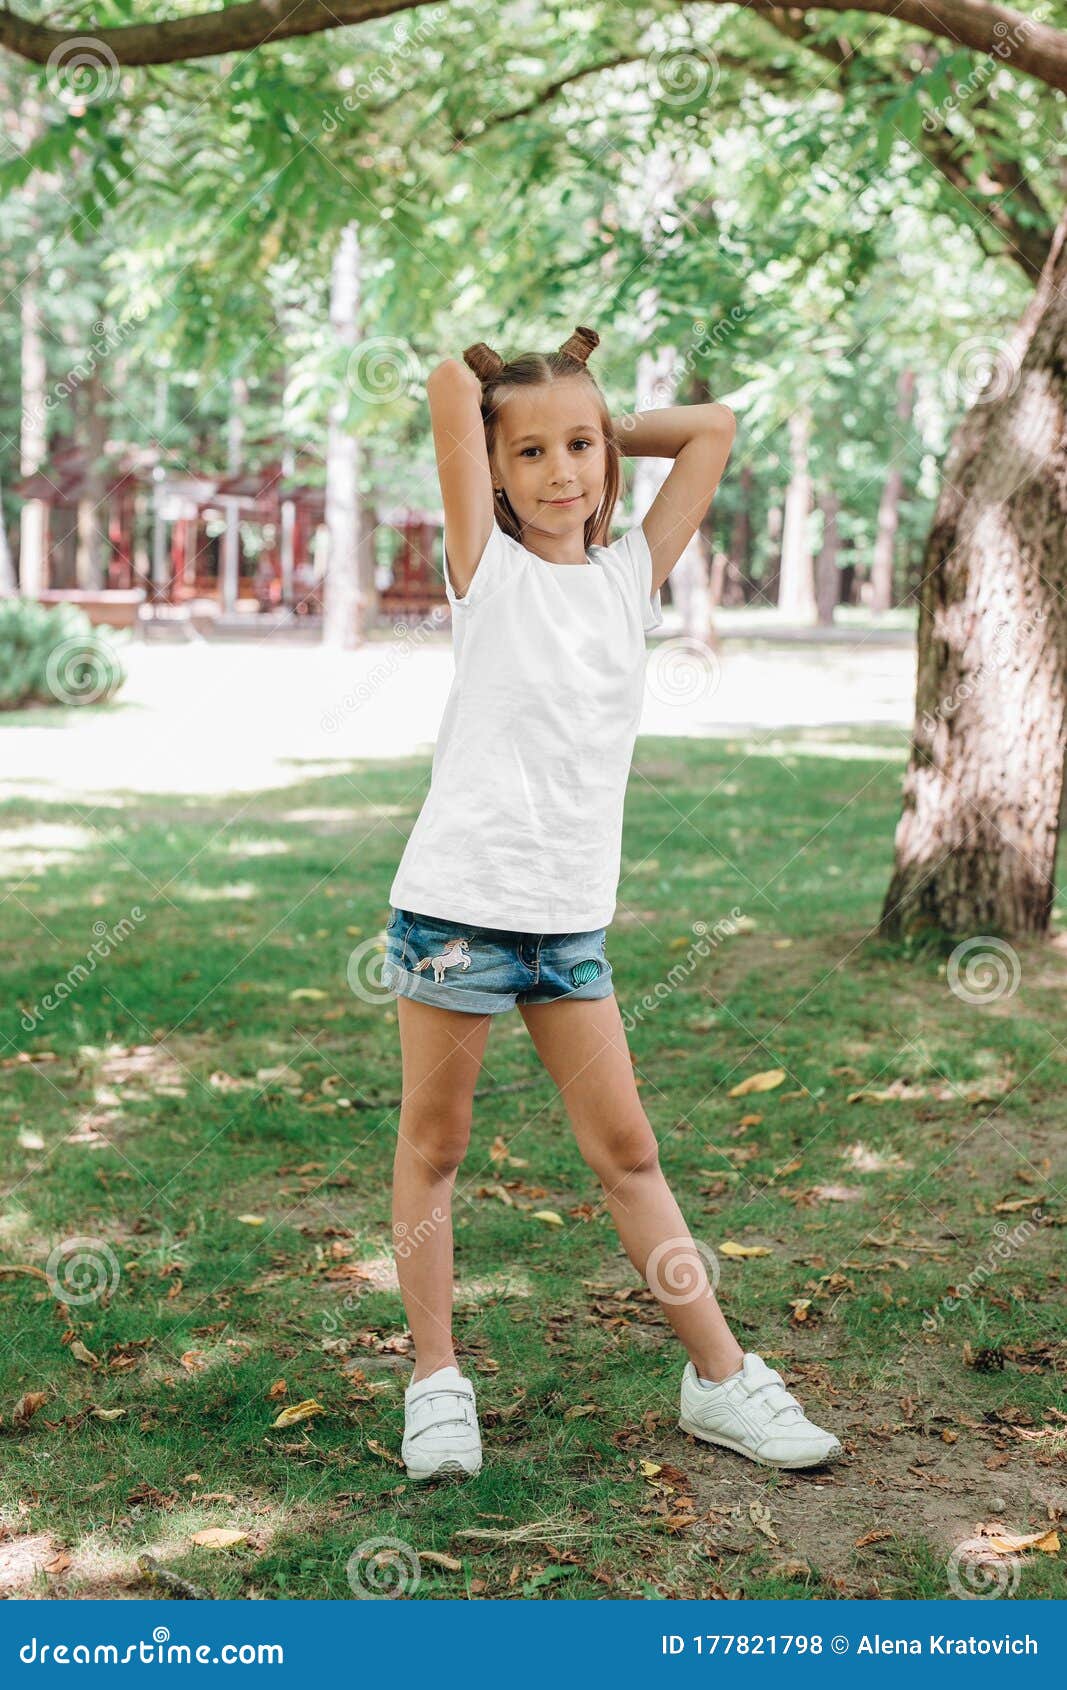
{"x": 766, "y": 1081}
{"x": 310, "y": 994}
{"x": 732, "y": 1249}
{"x": 80, "y": 1353}
{"x": 1007, "y": 1543}
{"x": 386, "y": 1454}
{"x": 548, "y": 1215}
{"x": 435, "y": 1556}
{"x": 252, "y": 1220}
{"x": 218, "y": 1537}
{"x": 760, "y": 1515}
{"x": 298, "y": 1411}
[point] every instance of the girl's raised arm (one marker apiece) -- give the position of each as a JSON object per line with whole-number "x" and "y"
{"x": 455, "y": 396}
{"x": 698, "y": 438}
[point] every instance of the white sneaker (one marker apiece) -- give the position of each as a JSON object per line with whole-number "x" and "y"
{"x": 441, "y": 1426}
{"x": 755, "y": 1415}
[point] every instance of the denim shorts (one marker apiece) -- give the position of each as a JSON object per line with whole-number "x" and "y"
{"x": 485, "y": 970}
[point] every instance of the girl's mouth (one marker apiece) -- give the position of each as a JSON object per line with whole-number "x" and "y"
{"x": 575, "y": 500}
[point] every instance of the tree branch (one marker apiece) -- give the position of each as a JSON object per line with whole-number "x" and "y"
{"x": 1015, "y": 39}
{"x": 1028, "y": 243}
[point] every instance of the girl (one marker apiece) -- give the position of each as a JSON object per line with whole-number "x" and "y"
{"x": 509, "y": 877}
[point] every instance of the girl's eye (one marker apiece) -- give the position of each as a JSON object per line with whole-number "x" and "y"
{"x": 580, "y": 442}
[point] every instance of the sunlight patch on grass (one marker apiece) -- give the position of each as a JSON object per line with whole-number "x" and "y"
{"x": 511, "y": 1283}
{"x": 195, "y": 894}
{"x": 42, "y": 845}
{"x": 255, "y": 848}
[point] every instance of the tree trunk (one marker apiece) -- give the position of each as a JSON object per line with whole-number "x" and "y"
{"x": 827, "y": 574}
{"x": 230, "y": 565}
{"x": 341, "y": 619}
{"x": 976, "y": 842}
{"x": 796, "y": 588}
{"x": 889, "y": 509}
{"x": 733, "y": 582}
{"x": 8, "y": 584}
{"x": 33, "y": 447}
{"x": 766, "y": 592}
{"x": 93, "y": 547}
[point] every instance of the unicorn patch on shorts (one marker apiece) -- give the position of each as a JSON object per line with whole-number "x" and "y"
{"x": 455, "y": 956}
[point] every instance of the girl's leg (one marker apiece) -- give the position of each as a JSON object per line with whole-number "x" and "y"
{"x": 442, "y": 1052}
{"x": 583, "y": 1046}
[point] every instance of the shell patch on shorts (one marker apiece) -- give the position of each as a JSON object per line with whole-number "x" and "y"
{"x": 583, "y": 972}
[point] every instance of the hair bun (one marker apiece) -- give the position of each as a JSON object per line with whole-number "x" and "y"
{"x": 483, "y": 361}
{"x": 580, "y": 344}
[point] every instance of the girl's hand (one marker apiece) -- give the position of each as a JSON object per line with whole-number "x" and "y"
{"x": 698, "y": 438}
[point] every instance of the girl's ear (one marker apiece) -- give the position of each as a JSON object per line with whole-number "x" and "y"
{"x": 580, "y": 344}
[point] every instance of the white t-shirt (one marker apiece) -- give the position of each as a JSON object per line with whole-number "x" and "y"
{"x": 522, "y": 826}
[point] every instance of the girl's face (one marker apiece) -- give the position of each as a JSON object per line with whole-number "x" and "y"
{"x": 549, "y": 455}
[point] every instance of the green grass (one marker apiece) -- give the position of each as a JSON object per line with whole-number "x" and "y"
{"x": 156, "y": 1152}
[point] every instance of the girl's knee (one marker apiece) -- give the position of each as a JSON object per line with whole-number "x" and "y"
{"x": 438, "y": 1142}
{"x": 627, "y": 1149}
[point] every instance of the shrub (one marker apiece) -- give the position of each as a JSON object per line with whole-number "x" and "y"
{"x": 54, "y": 655}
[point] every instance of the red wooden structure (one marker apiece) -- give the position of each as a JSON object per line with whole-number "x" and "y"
{"x": 152, "y": 508}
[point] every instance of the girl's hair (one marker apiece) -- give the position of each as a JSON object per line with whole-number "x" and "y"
{"x": 538, "y": 369}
